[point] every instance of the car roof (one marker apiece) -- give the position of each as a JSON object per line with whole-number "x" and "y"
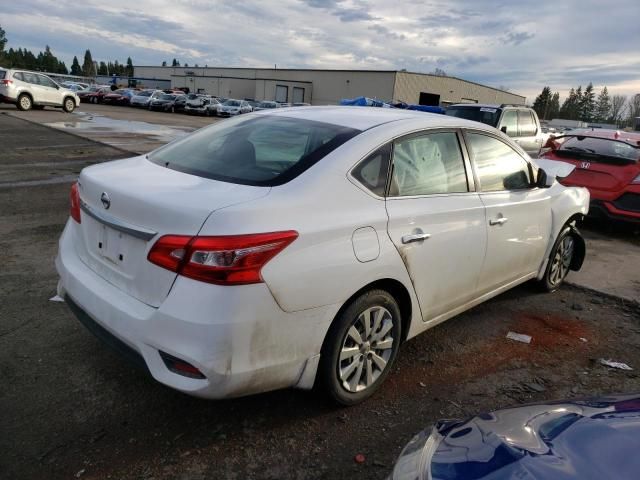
{"x": 364, "y": 118}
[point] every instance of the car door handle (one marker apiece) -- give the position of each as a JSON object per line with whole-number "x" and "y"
{"x": 498, "y": 221}
{"x": 415, "y": 237}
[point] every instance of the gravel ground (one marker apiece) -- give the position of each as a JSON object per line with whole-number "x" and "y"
{"x": 72, "y": 409}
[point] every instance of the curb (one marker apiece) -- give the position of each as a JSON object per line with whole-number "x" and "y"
{"x": 73, "y": 134}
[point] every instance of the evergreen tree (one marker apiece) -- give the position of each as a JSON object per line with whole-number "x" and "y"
{"x": 542, "y": 103}
{"x": 164, "y": 64}
{"x": 175, "y": 63}
{"x": 102, "y": 69}
{"x": 3, "y": 42}
{"x": 87, "y": 65}
{"x": 75, "y": 67}
{"x": 603, "y": 106}
{"x": 587, "y": 104}
{"x": 129, "y": 67}
{"x": 569, "y": 108}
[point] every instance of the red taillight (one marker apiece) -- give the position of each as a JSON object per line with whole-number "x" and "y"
{"x": 74, "y": 198}
{"x": 7, "y": 82}
{"x": 224, "y": 260}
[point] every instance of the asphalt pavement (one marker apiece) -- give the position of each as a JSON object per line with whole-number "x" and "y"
{"x": 73, "y": 409}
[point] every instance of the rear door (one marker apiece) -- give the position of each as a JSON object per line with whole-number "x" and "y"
{"x": 50, "y": 90}
{"x": 518, "y": 214}
{"x": 529, "y": 137}
{"x": 436, "y": 219}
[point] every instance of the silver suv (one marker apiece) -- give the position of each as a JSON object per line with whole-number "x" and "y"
{"x": 28, "y": 90}
{"x": 519, "y": 122}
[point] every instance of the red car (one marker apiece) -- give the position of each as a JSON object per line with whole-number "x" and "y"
{"x": 118, "y": 97}
{"x": 607, "y": 163}
{"x": 97, "y": 96}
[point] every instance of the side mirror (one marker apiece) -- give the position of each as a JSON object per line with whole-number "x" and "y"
{"x": 503, "y": 129}
{"x": 544, "y": 180}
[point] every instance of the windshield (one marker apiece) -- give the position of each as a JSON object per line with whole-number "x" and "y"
{"x": 167, "y": 97}
{"x": 232, "y": 103}
{"x": 267, "y": 105}
{"x": 264, "y": 151}
{"x": 2, "y": 74}
{"x": 488, "y": 115}
{"x": 145, "y": 94}
{"x": 592, "y": 148}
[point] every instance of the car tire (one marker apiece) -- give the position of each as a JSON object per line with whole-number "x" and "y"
{"x": 68, "y": 105}
{"x": 24, "y": 102}
{"x": 355, "y": 359}
{"x": 559, "y": 261}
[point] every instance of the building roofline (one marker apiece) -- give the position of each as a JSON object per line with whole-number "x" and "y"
{"x": 342, "y": 70}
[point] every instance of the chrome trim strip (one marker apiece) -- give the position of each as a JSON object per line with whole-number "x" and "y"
{"x": 119, "y": 225}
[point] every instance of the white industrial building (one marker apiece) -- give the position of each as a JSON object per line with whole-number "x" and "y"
{"x": 326, "y": 87}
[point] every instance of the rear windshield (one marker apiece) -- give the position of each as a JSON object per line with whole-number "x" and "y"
{"x": 263, "y": 151}
{"x": 596, "y": 149}
{"x": 2, "y": 74}
{"x": 487, "y": 115}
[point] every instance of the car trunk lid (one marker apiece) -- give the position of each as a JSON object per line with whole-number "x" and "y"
{"x": 128, "y": 204}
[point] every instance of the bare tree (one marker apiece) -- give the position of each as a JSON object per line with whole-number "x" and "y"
{"x": 618, "y": 103}
{"x": 634, "y": 109}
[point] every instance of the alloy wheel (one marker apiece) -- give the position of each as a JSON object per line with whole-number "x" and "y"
{"x": 25, "y": 102}
{"x": 561, "y": 261}
{"x": 366, "y": 349}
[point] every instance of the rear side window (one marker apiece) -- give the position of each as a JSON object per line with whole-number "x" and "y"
{"x": 428, "y": 164}
{"x": 372, "y": 171}
{"x": 526, "y": 123}
{"x": 499, "y": 167}
{"x": 510, "y": 121}
{"x": 264, "y": 151}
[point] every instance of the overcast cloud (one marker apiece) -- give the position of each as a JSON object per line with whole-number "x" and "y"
{"x": 521, "y": 45}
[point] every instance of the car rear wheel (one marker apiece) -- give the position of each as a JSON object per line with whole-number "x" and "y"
{"x": 559, "y": 261}
{"x": 68, "y": 105}
{"x": 24, "y": 102}
{"x": 360, "y": 348}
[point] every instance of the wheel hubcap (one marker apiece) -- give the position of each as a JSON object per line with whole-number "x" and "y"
{"x": 366, "y": 349}
{"x": 561, "y": 261}
{"x": 25, "y": 102}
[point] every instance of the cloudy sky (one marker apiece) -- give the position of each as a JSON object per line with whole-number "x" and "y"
{"x": 521, "y": 45}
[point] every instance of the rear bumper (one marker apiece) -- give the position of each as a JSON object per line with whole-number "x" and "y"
{"x": 238, "y": 337}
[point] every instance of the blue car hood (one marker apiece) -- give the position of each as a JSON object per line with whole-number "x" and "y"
{"x": 587, "y": 439}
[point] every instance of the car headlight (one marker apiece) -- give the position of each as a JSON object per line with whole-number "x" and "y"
{"x": 415, "y": 460}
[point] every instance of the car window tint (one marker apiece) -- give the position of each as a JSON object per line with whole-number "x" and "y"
{"x": 510, "y": 120}
{"x": 499, "y": 167}
{"x": 30, "y": 78}
{"x": 17, "y": 76}
{"x": 46, "y": 81}
{"x": 263, "y": 151}
{"x": 428, "y": 164}
{"x": 526, "y": 124}
{"x": 372, "y": 171}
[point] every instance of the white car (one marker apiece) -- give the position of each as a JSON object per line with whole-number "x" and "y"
{"x": 234, "y": 107}
{"x": 290, "y": 247}
{"x": 27, "y": 90}
{"x": 145, "y": 97}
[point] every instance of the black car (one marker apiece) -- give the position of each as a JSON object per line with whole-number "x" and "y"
{"x": 165, "y": 103}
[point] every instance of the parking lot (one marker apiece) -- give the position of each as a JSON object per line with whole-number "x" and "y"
{"x": 73, "y": 409}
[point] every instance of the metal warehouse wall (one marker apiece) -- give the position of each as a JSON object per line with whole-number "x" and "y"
{"x": 328, "y": 87}
{"x": 451, "y": 90}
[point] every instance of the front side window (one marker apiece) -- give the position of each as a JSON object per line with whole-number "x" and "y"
{"x": 428, "y": 164}
{"x": 263, "y": 151}
{"x": 499, "y": 167}
{"x": 46, "y": 81}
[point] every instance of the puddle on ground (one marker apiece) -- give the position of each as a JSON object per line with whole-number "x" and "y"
{"x": 93, "y": 123}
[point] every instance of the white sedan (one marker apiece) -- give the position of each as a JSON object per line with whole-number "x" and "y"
{"x": 288, "y": 248}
